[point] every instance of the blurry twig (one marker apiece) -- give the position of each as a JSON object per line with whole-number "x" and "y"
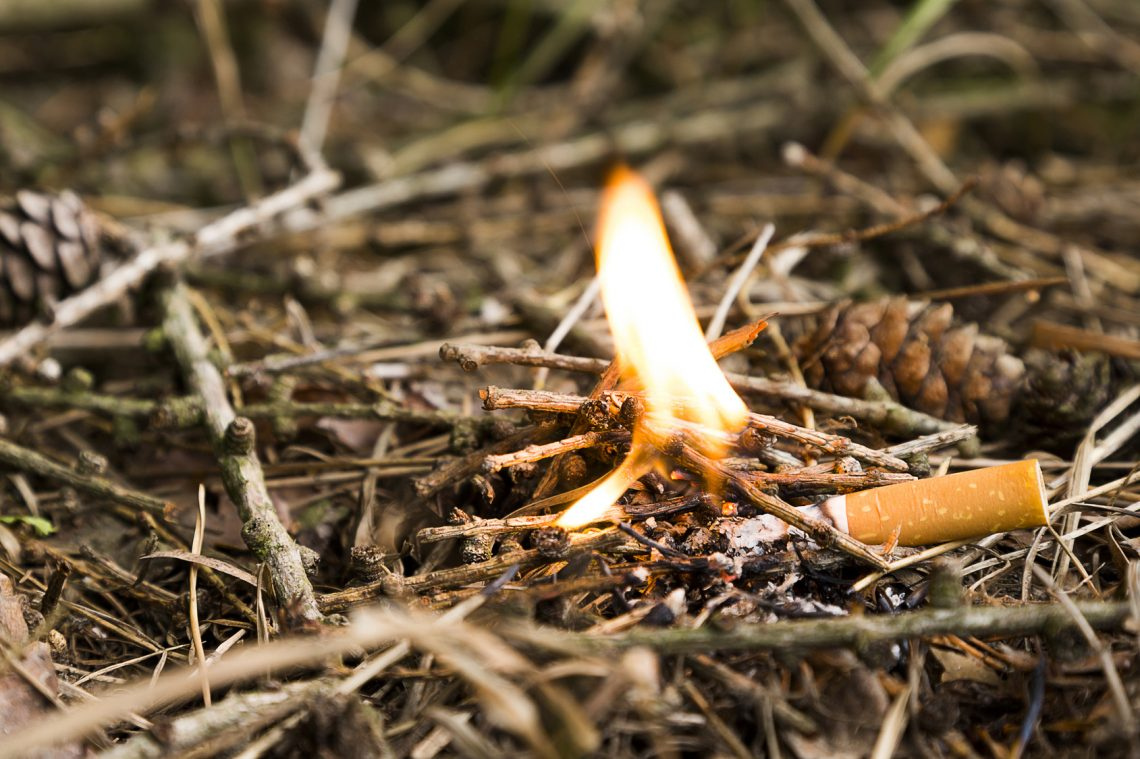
{"x": 1120, "y": 698}
{"x": 799, "y": 635}
{"x": 26, "y": 460}
{"x": 1116, "y": 270}
{"x": 633, "y": 138}
{"x": 716, "y": 324}
{"x": 212, "y": 21}
{"x": 338, "y": 28}
{"x": 221, "y": 236}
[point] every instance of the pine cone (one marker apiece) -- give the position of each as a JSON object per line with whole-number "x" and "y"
{"x": 914, "y": 355}
{"x": 49, "y": 249}
{"x": 1063, "y": 392}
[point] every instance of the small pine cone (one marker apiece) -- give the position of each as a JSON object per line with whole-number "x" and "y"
{"x": 1063, "y": 392}
{"x": 916, "y": 356}
{"x": 49, "y": 249}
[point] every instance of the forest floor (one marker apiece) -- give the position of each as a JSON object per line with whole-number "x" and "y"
{"x": 301, "y": 368}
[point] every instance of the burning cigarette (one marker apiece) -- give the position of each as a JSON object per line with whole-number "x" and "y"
{"x": 957, "y": 506}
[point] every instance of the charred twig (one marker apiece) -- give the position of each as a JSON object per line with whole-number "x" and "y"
{"x": 736, "y": 340}
{"x": 233, "y": 441}
{"x": 454, "y": 577}
{"x": 509, "y": 525}
{"x": 544, "y": 590}
{"x": 833, "y": 444}
{"x": 533, "y": 453}
{"x": 485, "y": 527}
{"x": 823, "y": 533}
{"x": 495, "y": 398}
{"x": 465, "y": 466}
{"x": 809, "y": 482}
{"x": 648, "y": 542}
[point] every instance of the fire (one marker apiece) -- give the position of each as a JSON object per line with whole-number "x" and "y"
{"x": 658, "y": 340}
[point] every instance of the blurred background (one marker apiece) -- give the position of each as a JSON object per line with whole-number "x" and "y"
{"x": 150, "y": 108}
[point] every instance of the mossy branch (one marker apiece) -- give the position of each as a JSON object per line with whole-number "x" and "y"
{"x": 29, "y": 461}
{"x": 852, "y": 631}
{"x": 242, "y": 476}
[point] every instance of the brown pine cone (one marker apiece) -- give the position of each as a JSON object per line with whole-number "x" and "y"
{"x": 912, "y": 353}
{"x": 49, "y": 249}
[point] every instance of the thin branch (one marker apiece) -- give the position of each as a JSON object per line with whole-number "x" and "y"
{"x": 889, "y": 416}
{"x": 736, "y": 284}
{"x": 233, "y": 441}
{"x": 508, "y": 525}
{"x": 496, "y": 398}
{"x": 532, "y": 453}
{"x": 820, "y": 531}
{"x": 1120, "y": 698}
{"x": 27, "y": 460}
{"x": 338, "y": 29}
{"x": 843, "y": 632}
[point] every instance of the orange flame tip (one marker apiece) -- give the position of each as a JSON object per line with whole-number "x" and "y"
{"x": 656, "y": 334}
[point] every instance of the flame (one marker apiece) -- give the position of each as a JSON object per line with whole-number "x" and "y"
{"x": 657, "y": 337}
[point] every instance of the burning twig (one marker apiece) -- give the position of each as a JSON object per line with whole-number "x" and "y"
{"x": 801, "y": 482}
{"x": 534, "y": 453}
{"x": 496, "y": 398}
{"x": 508, "y": 525}
{"x": 889, "y": 415}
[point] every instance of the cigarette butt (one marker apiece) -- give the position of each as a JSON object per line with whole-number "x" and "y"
{"x": 957, "y": 506}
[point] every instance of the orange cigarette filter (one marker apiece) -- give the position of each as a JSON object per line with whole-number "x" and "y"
{"x": 940, "y": 509}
